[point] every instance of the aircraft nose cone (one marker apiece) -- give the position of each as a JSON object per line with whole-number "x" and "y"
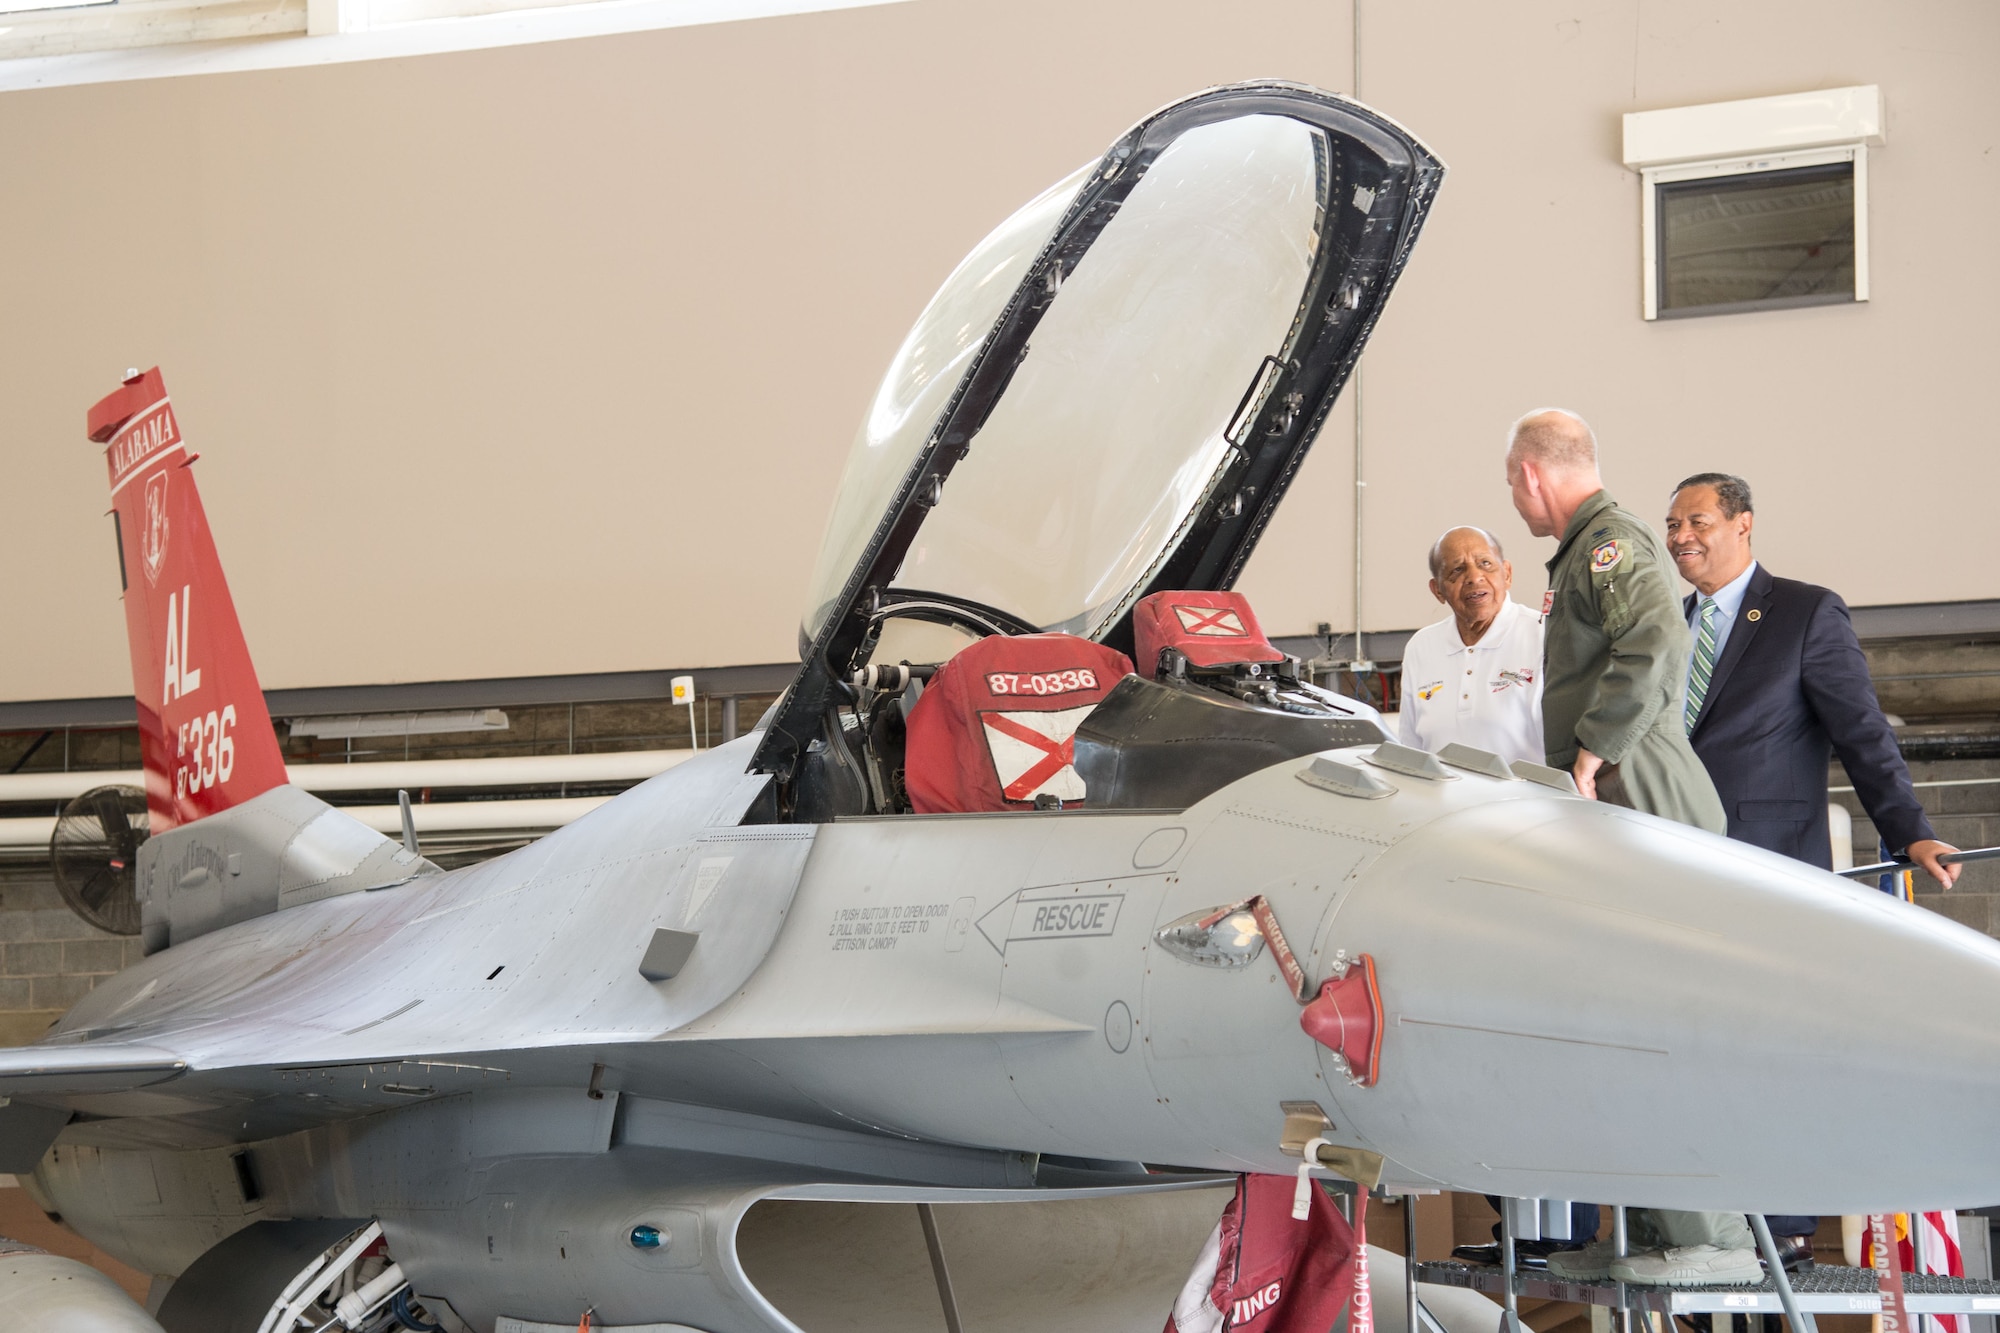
{"x": 1586, "y": 1003}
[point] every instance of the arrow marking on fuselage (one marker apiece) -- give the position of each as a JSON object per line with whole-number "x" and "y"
{"x": 1050, "y": 914}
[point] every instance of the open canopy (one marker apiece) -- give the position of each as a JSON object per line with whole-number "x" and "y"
{"x": 1110, "y": 394}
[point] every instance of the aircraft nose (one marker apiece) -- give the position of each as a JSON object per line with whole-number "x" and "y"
{"x": 1582, "y": 1002}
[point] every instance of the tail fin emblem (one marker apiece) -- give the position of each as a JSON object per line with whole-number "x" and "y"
{"x": 153, "y": 540}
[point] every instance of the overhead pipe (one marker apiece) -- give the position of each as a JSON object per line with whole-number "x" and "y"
{"x": 539, "y": 770}
{"x": 445, "y": 817}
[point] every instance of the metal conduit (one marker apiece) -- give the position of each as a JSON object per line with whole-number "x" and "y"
{"x": 433, "y": 817}
{"x": 413, "y": 774}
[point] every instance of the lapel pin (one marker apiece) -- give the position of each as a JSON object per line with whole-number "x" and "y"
{"x": 1755, "y": 614}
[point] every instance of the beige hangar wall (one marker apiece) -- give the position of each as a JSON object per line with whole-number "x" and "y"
{"x": 545, "y": 359}
{"x": 1866, "y": 430}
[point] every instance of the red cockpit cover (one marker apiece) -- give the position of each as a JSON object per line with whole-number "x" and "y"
{"x": 995, "y": 727}
{"x": 1209, "y": 628}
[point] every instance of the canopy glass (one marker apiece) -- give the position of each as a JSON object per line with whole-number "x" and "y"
{"x": 1115, "y": 425}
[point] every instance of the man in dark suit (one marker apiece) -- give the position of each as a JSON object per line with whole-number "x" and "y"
{"x": 1777, "y": 681}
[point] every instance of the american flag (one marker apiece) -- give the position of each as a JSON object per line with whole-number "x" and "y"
{"x": 1939, "y": 1232}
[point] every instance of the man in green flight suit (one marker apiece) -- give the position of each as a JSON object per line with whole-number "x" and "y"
{"x": 1614, "y": 663}
{"x": 1616, "y": 639}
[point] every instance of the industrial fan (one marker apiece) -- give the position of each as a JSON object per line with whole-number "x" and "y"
{"x": 95, "y": 852}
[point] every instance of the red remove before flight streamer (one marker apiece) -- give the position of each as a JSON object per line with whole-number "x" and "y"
{"x": 204, "y": 732}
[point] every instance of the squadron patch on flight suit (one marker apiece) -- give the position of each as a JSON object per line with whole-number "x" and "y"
{"x": 1548, "y": 601}
{"x": 1607, "y": 556}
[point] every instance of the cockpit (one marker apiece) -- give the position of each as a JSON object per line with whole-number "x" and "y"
{"x": 1022, "y": 600}
{"x": 1056, "y": 722}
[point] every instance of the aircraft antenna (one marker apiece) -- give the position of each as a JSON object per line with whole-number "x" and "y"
{"x": 409, "y": 824}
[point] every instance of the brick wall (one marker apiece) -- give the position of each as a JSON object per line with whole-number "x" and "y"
{"x": 1965, "y": 816}
{"x": 49, "y": 957}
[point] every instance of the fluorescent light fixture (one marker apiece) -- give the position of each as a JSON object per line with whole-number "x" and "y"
{"x": 400, "y": 724}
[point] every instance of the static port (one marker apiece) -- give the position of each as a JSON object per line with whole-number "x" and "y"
{"x": 648, "y": 1237}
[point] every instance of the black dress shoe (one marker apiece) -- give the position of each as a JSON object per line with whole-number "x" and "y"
{"x": 1795, "y": 1252}
{"x": 1527, "y": 1253}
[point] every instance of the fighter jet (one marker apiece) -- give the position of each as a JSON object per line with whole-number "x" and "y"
{"x": 1048, "y": 877}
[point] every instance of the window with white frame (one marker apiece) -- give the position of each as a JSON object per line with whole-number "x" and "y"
{"x": 1754, "y": 205}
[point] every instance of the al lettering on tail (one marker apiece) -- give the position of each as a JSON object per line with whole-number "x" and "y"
{"x": 204, "y": 732}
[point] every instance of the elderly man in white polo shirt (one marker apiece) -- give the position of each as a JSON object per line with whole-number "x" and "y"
{"x": 1475, "y": 677}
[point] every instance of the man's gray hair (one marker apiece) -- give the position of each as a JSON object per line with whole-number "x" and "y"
{"x": 1732, "y": 493}
{"x": 1556, "y": 438}
{"x": 1437, "y": 547}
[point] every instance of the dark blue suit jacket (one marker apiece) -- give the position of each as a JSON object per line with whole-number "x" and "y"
{"x": 1790, "y": 686}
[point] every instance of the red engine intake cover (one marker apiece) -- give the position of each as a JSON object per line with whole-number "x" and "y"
{"x": 1346, "y": 1018}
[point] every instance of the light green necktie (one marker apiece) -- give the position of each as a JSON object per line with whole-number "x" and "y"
{"x": 1704, "y": 663}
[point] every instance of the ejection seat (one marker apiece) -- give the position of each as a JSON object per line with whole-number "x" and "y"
{"x": 994, "y": 728}
{"x": 1208, "y": 632}
{"x": 1214, "y": 701}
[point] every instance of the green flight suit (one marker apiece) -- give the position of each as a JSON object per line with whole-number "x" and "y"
{"x": 1615, "y": 662}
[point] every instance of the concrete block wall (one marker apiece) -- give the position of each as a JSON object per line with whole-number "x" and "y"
{"x": 49, "y": 956}
{"x": 1966, "y": 816}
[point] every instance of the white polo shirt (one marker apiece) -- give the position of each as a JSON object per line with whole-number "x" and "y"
{"x": 1487, "y": 695}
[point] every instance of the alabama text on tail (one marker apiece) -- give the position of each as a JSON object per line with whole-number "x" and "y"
{"x": 204, "y": 732}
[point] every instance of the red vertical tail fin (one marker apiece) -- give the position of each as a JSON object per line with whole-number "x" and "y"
{"x": 204, "y": 732}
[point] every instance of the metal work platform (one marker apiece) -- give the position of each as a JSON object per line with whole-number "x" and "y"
{"x": 1821, "y": 1289}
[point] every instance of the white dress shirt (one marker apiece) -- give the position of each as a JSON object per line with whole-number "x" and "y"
{"x": 1487, "y": 695}
{"x": 1728, "y": 606}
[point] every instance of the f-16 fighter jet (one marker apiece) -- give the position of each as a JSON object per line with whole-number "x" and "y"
{"x": 1047, "y": 865}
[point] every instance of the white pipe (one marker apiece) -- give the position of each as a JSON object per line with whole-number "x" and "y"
{"x": 477, "y": 816}
{"x": 443, "y": 817}
{"x": 1840, "y": 830}
{"x": 355, "y": 1307}
{"x": 283, "y": 1314}
{"x": 413, "y": 774}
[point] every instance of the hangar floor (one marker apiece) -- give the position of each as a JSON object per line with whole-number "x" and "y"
{"x": 21, "y": 1220}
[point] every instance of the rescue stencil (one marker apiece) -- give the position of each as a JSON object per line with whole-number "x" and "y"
{"x": 1050, "y": 914}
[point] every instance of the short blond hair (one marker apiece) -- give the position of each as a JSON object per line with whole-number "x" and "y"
{"x": 1557, "y": 439}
